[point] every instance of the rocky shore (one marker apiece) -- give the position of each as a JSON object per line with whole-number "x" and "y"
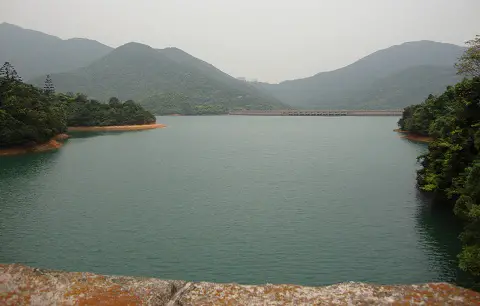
{"x": 22, "y": 285}
{"x": 413, "y": 136}
{"x": 57, "y": 142}
{"x": 116, "y": 128}
{"x": 53, "y": 144}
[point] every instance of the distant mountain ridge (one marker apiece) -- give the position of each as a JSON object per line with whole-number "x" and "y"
{"x": 34, "y": 53}
{"x": 167, "y": 78}
{"x": 137, "y": 71}
{"x": 132, "y": 71}
{"x": 389, "y": 78}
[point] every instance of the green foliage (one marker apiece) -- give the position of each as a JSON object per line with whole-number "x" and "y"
{"x": 175, "y": 103}
{"x": 469, "y": 259}
{"x": 468, "y": 208}
{"x": 136, "y": 71}
{"x": 451, "y": 167}
{"x": 84, "y": 112}
{"x": 27, "y": 115}
{"x": 469, "y": 63}
{"x": 8, "y": 73}
{"x": 49, "y": 88}
{"x": 114, "y": 101}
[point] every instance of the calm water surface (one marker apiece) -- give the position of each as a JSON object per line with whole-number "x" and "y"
{"x": 307, "y": 200}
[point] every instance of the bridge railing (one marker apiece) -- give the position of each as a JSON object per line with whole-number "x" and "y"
{"x": 302, "y": 112}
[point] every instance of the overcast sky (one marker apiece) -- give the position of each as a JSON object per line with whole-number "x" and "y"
{"x": 271, "y": 40}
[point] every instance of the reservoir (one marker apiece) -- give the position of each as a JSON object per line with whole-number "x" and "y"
{"x": 304, "y": 200}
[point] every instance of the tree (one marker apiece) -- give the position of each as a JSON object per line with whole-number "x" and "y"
{"x": 49, "y": 88}
{"x": 113, "y": 101}
{"x": 469, "y": 62}
{"x": 468, "y": 206}
{"x": 28, "y": 116}
{"x": 81, "y": 98}
{"x": 91, "y": 112}
{"x": 8, "y": 73}
{"x": 451, "y": 167}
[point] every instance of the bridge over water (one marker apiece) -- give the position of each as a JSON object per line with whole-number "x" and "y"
{"x": 300, "y": 112}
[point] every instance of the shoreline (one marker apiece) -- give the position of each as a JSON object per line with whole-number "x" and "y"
{"x": 53, "y": 144}
{"x": 116, "y": 128}
{"x": 57, "y": 142}
{"x": 414, "y": 137}
{"x": 24, "y": 285}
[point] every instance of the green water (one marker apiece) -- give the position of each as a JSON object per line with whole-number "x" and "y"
{"x": 307, "y": 200}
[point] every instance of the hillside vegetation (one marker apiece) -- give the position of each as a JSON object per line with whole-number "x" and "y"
{"x": 133, "y": 71}
{"x": 451, "y": 167}
{"x": 387, "y": 79}
{"x": 30, "y": 115}
{"x": 136, "y": 71}
{"x": 84, "y": 112}
{"x": 170, "y": 80}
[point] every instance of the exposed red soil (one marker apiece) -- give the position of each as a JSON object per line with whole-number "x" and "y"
{"x": 116, "y": 128}
{"x": 61, "y": 137}
{"x": 413, "y": 136}
{"x": 52, "y": 144}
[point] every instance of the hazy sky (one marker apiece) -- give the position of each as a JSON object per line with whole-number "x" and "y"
{"x": 271, "y": 40}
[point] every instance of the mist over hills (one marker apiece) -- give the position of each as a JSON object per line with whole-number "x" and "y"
{"x": 132, "y": 71}
{"x": 172, "y": 81}
{"x": 390, "y": 78}
{"x": 137, "y": 71}
{"x": 35, "y": 53}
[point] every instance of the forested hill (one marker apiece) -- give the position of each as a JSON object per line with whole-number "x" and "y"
{"x": 34, "y": 53}
{"x": 451, "y": 167}
{"x": 137, "y": 71}
{"x": 30, "y": 115}
{"x": 169, "y": 80}
{"x": 391, "y": 78}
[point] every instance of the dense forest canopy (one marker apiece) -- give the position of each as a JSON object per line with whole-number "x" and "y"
{"x": 174, "y": 103}
{"x": 30, "y": 115}
{"x": 451, "y": 167}
{"x": 82, "y": 111}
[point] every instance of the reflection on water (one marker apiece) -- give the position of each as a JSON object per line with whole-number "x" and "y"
{"x": 19, "y": 187}
{"x": 439, "y": 229}
{"x": 24, "y": 166}
{"x": 279, "y": 200}
{"x": 81, "y": 134}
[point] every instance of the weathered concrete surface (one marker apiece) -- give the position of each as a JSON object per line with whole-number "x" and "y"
{"x": 22, "y": 285}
